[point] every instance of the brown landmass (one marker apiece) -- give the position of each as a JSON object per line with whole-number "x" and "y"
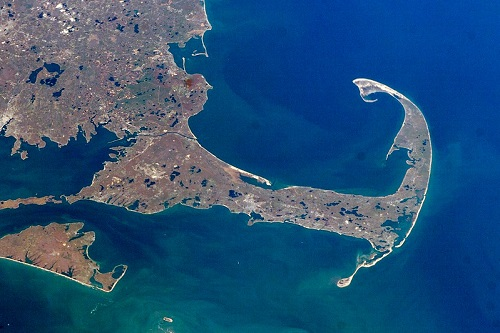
{"x": 108, "y": 64}
{"x": 15, "y": 203}
{"x": 159, "y": 172}
{"x": 61, "y": 249}
{"x": 75, "y": 66}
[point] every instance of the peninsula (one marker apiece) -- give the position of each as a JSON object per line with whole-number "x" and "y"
{"x": 40, "y": 201}
{"x": 110, "y": 66}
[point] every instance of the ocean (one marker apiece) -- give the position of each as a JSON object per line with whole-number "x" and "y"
{"x": 283, "y": 106}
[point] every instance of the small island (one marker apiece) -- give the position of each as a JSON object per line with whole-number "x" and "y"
{"x": 61, "y": 249}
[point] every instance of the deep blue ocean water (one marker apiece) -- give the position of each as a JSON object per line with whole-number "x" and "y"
{"x": 283, "y": 106}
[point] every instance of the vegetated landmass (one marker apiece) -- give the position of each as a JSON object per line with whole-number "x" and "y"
{"x": 61, "y": 249}
{"x": 15, "y": 203}
{"x": 109, "y": 65}
{"x": 69, "y": 67}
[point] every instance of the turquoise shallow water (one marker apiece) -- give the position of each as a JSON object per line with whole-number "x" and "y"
{"x": 203, "y": 268}
{"x": 210, "y": 272}
{"x": 283, "y": 107}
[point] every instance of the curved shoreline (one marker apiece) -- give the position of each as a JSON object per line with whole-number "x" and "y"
{"x": 61, "y": 249}
{"x": 165, "y": 165}
{"x": 368, "y": 87}
{"x": 69, "y": 278}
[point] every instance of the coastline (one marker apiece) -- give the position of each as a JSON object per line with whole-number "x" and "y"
{"x": 69, "y": 278}
{"x": 88, "y": 265}
{"x": 367, "y": 220}
{"x": 265, "y": 212}
{"x": 364, "y": 92}
{"x": 205, "y": 268}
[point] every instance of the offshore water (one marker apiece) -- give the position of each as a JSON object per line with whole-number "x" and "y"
{"x": 283, "y": 107}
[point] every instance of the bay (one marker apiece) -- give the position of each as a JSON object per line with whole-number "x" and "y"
{"x": 283, "y": 107}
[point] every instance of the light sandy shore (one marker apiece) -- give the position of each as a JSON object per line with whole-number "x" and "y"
{"x": 69, "y": 278}
{"x": 88, "y": 259}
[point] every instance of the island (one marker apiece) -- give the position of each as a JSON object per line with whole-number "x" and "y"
{"x": 110, "y": 67}
{"x": 61, "y": 249}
